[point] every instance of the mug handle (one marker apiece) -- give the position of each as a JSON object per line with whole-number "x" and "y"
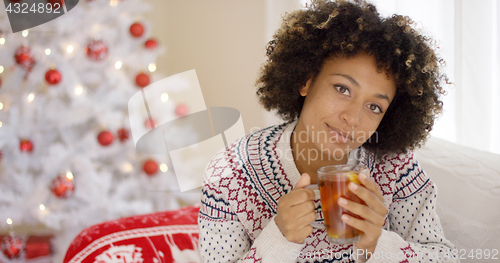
{"x": 315, "y": 224}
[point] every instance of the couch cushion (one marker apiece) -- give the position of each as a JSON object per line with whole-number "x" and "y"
{"x": 468, "y": 203}
{"x": 170, "y": 236}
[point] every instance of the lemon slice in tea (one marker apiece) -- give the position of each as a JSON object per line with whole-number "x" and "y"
{"x": 353, "y": 177}
{"x": 333, "y": 236}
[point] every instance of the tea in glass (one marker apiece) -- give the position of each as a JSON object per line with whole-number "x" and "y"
{"x": 333, "y": 183}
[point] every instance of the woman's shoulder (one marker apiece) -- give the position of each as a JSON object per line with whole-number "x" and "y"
{"x": 249, "y": 153}
{"x": 390, "y": 159}
{"x": 404, "y": 171}
{"x": 268, "y": 136}
{"x": 393, "y": 165}
{"x": 256, "y": 142}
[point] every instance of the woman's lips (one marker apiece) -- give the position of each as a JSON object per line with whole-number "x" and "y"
{"x": 338, "y": 135}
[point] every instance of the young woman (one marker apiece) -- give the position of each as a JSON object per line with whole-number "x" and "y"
{"x": 352, "y": 87}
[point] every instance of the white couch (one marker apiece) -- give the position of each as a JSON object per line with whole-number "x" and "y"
{"x": 468, "y": 201}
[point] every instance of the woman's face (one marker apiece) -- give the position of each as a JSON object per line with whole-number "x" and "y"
{"x": 343, "y": 105}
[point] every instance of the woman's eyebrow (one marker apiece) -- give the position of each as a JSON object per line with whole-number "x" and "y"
{"x": 347, "y": 77}
{"x": 383, "y": 96}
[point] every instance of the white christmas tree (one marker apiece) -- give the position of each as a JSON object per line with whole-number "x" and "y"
{"x": 67, "y": 157}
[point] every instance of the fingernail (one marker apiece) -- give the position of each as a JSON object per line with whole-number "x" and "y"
{"x": 342, "y": 201}
{"x": 345, "y": 217}
{"x": 353, "y": 186}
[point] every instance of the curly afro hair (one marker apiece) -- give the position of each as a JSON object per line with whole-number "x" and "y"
{"x": 344, "y": 28}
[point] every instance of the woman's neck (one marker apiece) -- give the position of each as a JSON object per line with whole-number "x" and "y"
{"x": 308, "y": 159}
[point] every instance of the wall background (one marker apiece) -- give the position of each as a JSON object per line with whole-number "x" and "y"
{"x": 224, "y": 41}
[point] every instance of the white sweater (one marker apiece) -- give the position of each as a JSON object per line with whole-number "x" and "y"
{"x": 242, "y": 186}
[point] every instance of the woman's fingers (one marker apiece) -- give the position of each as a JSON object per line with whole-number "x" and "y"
{"x": 371, "y": 232}
{"x": 295, "y": 213}
{"x": 365, "y": 212}
{"x": 371, "y": 198}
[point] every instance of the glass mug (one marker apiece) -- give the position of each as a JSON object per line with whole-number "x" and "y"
{"x": 333, "y": 181}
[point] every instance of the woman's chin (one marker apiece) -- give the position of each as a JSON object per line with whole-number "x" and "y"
{"x": 336, "y": 151}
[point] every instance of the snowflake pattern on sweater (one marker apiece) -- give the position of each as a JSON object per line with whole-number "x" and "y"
{"x": 242, "y": 186}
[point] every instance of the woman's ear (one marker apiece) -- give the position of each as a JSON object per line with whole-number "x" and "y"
{"x": 305, "y": 89}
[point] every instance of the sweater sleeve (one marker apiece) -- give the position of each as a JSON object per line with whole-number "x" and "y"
{"x": 415, "y": 233}
{"x": 223, "y": 238}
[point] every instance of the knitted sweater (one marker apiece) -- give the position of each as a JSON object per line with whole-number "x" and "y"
{"x": 242, "y": 186}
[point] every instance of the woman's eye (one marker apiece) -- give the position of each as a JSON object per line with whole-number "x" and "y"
{"x": 343, "y": 90}
{"x": 375, "y": 108}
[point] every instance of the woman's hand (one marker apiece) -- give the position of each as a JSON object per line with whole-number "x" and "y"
{"x": 296, "y": 212}
{"x": 373, "y": 212}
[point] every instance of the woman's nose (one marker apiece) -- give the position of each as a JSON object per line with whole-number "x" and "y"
{"x": 351, "y": 115}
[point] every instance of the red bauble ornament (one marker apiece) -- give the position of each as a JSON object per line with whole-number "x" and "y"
{"x": 150, "y": 167}
{"x": 96, "y": 50}
{"x": 123, "y": 134}
{"x": 181, "y": 110}
{"x": 151, "y": 44}
{"x": 53, "y": 77}
{"x": 136, "y": 29}
{"x": 105, "y": 138}
{"x": 23, "y": 58}
{"x": 142, "y": 80}
{"x": 150, "y": 123}
{"x": 12, "y": 247}
{"x": 23, "y": 54}
{"x": 25, "y": 146}
{"x": 62, "y": 186}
